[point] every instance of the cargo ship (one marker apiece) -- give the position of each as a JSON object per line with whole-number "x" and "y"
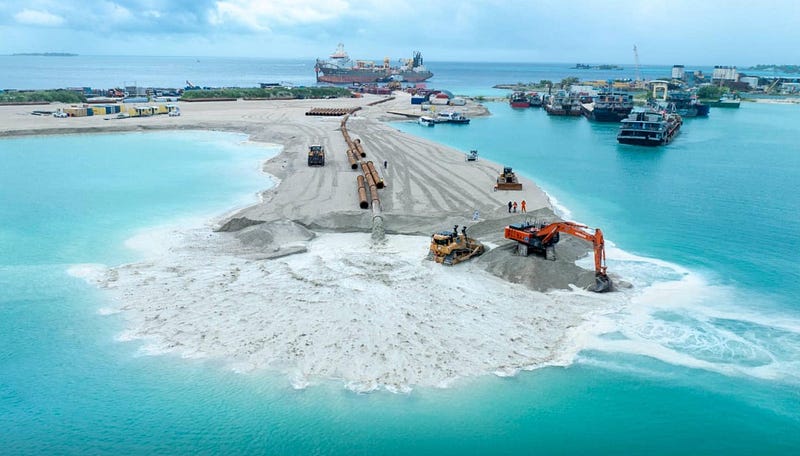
{"x": 340, "y": 69}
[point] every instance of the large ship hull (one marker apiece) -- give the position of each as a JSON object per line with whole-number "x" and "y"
{"x": 337, "y": 76}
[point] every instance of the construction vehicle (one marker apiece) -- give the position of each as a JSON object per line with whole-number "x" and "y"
{"x": 542, "y": 238}
{"x": 507, "y": 180}
{"x": 472, "y": 155}
{"x": 449, "y": 247}
{"x": 316, "y": 155}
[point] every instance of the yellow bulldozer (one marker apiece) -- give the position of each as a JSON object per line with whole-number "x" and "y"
{"x": 449, "y": 247}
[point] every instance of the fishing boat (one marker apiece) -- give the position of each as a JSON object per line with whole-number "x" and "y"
{"x": 649, "y": 128}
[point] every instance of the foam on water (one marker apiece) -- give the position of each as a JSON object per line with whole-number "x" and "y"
{"x": 677, "y": 316}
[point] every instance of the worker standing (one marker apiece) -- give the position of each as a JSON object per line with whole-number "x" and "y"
{"x": 515, "y": 206}
{"x": 509, "y": 207}
{"x": 385, "y": 164}
{"x": 523, "y": 207}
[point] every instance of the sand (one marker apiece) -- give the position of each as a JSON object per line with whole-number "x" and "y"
{"x": 295, "y": 283}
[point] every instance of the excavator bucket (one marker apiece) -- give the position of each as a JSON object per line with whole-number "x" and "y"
{"x": 602, "y": 283}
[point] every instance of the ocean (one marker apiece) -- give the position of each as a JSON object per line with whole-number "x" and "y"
{"x": 465, "y": 78}
{"x": 703, "y": 362}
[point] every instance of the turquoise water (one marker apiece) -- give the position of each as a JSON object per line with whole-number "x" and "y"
{"x": 68, "y": 387}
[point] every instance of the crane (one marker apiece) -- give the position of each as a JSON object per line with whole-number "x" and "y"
{"x": 637, "y": 74}
{"x": 543, "y": 238}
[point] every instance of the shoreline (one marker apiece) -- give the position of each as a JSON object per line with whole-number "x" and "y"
{"x": 293, "y": 247}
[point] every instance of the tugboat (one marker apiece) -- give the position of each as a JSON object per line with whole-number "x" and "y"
{"x": 649, "y": 128}
{"x": 608, "y": 106}
{"x": 519, "y": 100}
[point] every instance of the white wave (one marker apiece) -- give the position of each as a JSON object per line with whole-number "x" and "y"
{"x": 679, "y": 318}
{"x": 90, "y": 272}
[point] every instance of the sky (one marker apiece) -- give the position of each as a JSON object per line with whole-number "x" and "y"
{"x": 700, "y": 32}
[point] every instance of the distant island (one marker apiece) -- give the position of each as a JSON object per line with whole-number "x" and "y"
{"x": 45, "y": 54}
{"x": 780, "y": 68}
{"x": 583, "y": 66}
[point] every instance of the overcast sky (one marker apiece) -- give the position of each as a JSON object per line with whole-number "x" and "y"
{"x": 708, "y": 32}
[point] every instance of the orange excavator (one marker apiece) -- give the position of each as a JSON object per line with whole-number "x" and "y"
{"x": 542, "y": 238}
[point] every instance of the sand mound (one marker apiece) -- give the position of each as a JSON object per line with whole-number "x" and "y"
{"x": 371, "y": 315}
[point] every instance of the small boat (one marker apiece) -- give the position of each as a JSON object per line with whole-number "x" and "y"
{"x": 451, "y": 117}
{"x": 649, "y": 128}
{"x": 519, "y": 100}
{"x": 426, "y": 121}
{"x": 725, "y": 101}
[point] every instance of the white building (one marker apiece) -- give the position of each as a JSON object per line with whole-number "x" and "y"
{"x": 725, "y": 73}
{"x": 678, "y": 72}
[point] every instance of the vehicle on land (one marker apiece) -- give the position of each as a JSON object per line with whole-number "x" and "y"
{"x": 542, "y": 238}
{"x": 449, "y": 247}
{"x": 316, "y": 155}
{"x": 507, "y": 180}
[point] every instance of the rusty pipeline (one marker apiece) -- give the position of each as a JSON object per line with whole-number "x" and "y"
{"x": 360, "y": 148}
{"x": 362, "y": 192}
{"x": 375, "y": 177}
{"x": 351, "y": 159}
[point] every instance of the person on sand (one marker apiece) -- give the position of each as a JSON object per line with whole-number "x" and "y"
{"x": 523, "y": 207}
{"x": 509, "y": 207}
{"x": 515, "y": 206}
{"x": 385, "y": 164}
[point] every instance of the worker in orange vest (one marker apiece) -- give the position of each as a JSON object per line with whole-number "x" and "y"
{"x": 523, "y": 206}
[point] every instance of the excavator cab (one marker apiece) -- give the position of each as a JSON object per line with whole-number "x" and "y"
{"x": 449, "y": 247}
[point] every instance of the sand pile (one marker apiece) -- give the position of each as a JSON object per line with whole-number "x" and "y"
{"x": 371, "y": 315}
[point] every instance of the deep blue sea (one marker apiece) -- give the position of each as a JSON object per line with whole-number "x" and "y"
{"x": 704, "y": 362}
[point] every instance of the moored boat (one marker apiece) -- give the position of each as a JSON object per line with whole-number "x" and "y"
{"x": 608, "y": 106}
{"x": 563, "y": 104}
{"x": 725, "y": 102}
{"x": 451, "y": 117}
{"x": 682, "y": 103}
{"x": 426, "y": 121}
{"x": 649, "y": 128}
{"x": 535, "y": 100}
{"x": 519, "y": 100}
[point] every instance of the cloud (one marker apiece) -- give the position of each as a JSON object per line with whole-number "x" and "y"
{"x": 41, "y": 18}
{"x": 259, "y": 15}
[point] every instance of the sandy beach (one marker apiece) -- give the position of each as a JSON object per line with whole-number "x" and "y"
{"x": 296, "y": 283}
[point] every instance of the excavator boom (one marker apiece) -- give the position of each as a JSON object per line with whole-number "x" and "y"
{"x": 544, "y": 237}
